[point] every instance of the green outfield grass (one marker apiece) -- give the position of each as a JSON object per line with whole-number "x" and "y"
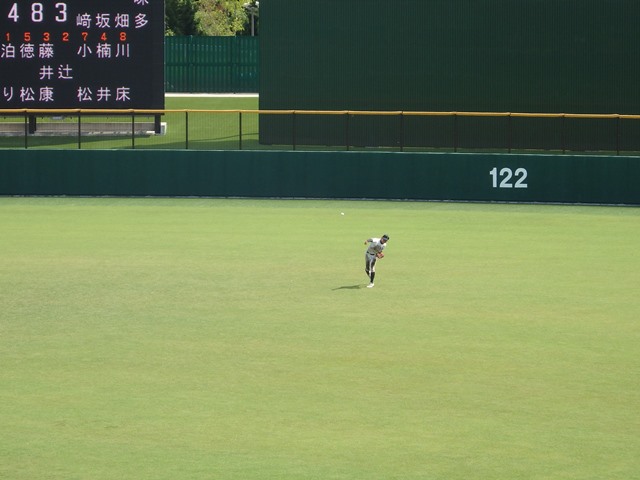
{"x": 234, "y": 339}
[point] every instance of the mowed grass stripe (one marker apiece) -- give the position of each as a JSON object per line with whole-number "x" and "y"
{"x": 192, "y": 338}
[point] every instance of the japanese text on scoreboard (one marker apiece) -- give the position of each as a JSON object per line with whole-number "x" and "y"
{"x": 105, "y": 54}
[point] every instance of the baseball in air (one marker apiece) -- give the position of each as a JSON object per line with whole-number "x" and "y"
{"x": 341, "y": 213}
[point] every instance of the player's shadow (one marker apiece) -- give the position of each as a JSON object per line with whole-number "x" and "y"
{"x": 348, "y": 287}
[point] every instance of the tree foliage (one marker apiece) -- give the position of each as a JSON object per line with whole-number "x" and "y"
{"x": 180, "y": 17}
{"x": 209, "y": 17}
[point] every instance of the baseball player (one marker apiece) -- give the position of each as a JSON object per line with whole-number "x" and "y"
{"x": 373, "y": 253}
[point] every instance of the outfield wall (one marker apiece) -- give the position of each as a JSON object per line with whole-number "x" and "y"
{"x": 537, "y": 56}
{"x": 287, "y": 174}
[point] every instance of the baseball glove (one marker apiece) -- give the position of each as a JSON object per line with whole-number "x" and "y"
{"x": 380, "y": 255}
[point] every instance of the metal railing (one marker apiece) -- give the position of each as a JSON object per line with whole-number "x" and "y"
{"x": 320, "y": 130}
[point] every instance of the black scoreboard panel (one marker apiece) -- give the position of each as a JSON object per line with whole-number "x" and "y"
{"x": 104, "y": 54}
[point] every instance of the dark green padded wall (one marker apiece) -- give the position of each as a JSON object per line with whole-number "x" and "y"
{"x": 389, "y": 175}
{"x": 571, "y": 56}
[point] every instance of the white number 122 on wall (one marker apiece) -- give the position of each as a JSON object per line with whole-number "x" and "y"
{"x": 506, "y": 175}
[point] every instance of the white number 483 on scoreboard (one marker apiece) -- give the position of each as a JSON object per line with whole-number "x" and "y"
{"x": 37, "y": 12}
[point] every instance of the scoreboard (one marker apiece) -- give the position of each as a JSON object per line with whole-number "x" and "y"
{"x": 104, "y": 54}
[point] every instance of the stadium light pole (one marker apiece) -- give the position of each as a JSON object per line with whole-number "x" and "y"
{"x": 254, "y": 10}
